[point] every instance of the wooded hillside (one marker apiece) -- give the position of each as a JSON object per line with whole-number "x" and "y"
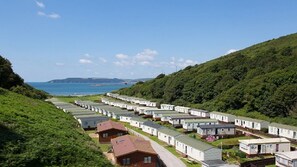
{"x": 261, "y": 78}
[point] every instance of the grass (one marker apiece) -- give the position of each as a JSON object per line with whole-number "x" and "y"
{"x": 103, "y": 147}
{"x": 71, "y": 99}
{"x": 229, "y": 141}
{"x": 36, "y": 133}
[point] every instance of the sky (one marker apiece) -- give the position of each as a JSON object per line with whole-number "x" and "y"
{"x": 55, "y": 39}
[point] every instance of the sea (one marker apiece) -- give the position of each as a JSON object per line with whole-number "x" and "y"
{"x": 76, "y": 89}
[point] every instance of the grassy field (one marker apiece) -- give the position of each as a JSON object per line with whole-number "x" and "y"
{"x": 71, "y": 99}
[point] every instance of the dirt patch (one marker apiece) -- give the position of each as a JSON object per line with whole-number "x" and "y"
{"x": 93, "y": 135}
{"x": 110, "y": 157}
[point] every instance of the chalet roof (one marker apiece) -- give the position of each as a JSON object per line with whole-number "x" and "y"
{"x": 264, "y": 141}
{"x": 107, "y": 125}
{"x": 251, "y": 119}
{"x": 169, "y": 132}
{"x": 199, "y": 145}
{"x": 290, "y": 155}
{"x": 128, "y": 144}
{"x": 284, "y": 126}
{"x": 152, "y": 124}
{"x": 217, "y": 126}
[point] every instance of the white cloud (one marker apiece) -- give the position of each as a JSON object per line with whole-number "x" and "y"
{"x": 52, "y": 15}
{"x": 40, "y": 4}
{"x": 230, "y": 51}
{"x": 60, "y": 64}
{"x": 85, "y": 61}
{"x": 123, "y": 63}
{"x": 181, "y": 63}
{"x": 146, "y": 55}
{"x": 102, "y": 60}
{"x": 121, "y": 56}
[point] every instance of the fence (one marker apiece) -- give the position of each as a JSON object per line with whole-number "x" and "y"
{"x": 259, "y": 163}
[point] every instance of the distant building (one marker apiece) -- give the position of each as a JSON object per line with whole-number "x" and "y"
{"x": 137, "y": 122}
{"x": 168, "y": 135}
{"x": 250, "y": 123}
{"x": 286, "y": 159}
{"x": 283, "y": 130}
{"x": 199, "y": 113}
{"x": 167, "y": 107}
{"x": 176, "y": 121}
{"x": 222, "y": 117}
{"x": 264, "y": 146}
{"x": 182, "y": 109}
{"x": 219, "y": 130}
{"x": 197, "y": 150}
{"x": 190, "y": 125}
{"x": 133, "y": 151}
{"x": 108, "y": 130}
{"x": 151, "y": 128}
{"x": 90, "y": 121}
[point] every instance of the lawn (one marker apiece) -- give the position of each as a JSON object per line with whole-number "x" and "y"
{"x": 229, "y": 141}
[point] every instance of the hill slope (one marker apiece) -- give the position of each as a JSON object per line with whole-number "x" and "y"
{"x": 35, "y": 133}
{"x": 12, "y": 81}
{"x": 261, "y": 78}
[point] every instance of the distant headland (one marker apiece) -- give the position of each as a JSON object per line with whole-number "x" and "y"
{"x": 99, "y": 80}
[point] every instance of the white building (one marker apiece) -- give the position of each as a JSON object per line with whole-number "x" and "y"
{"x": 283, "y": 130}
{"x": 197, "y": 150}
{"x": 151, "y": 128}
{"x": 249, "y": 123}
{"x": 167, "y": 107}
{"x": 222, "y": 117}
{"x": 90, "y": 121}
{"x": 264, "y": 146}
{"x": 286, "y": 159}
{"x": 126, "y": 117}
{"x": 182, "y": 109}
{"x": 137, "y": 122}
{"x": 219, "y": 130}
{"x": 190, "y": 125}
{"x": 176, "y": 121}
{"x": 167, "y": 117}
{"x": 168, "y": 135}
{"x": 199, "y": 113}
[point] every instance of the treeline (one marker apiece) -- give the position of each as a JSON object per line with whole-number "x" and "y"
{"x": 261, "y": 78}
{"x": 13, "y": 82}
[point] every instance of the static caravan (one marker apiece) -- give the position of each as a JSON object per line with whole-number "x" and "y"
{"x": 158, "y": 114}
{"x": 117, "y": 115}
{"x": 176, "y": 121}
{"x": 197, "y": 150}
{"x": 131, "y": 107}
{"x": 199, "y": 113}
{"x": 126, "y": 117}
{"x": 168, "y": 135}
{"x": 167, "y": 107}
{"x": 151, "y": 128}
{"x": 264, "y": 146}
{"x": 140, "y": 109}
{"x": 249, "y": 123}
{"x": 148, "y": 112}
{"x": 137, "y": 122}
{"x": 167, "y": 117}
{"x": 76, "y": 113}
{"x": 190, "y": 125}
{"x": 283, "y": 130}
{"x": 90, "y": 121}
{"x": 182, "y": 109}
{"x": 222, "y": 117}
{"x": 219, "y": 130}
{"x": 286, "y": 159}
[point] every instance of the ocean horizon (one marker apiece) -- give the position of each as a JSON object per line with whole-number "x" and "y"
{"x": 77, "y": 89}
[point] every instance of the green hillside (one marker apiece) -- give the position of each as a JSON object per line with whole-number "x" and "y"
{"x": 261, "y": 78}
{"x": 12, "y": 81}
{"x": 35, "y": 133}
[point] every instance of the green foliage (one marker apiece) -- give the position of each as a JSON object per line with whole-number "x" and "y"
{"x": 261, "y": 78}
{"x": 10, "y": 80}
{"x": 35, "y": 133}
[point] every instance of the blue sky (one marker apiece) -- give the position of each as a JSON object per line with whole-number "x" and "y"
{"x": 50, "y": 39}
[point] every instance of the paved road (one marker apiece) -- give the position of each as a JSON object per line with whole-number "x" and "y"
{"x": 167, "y": 157}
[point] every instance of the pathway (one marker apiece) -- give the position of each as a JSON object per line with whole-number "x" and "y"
{"x": 166, "y": 156}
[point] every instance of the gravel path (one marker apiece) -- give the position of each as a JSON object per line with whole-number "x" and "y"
{"x": 166, "y": 156}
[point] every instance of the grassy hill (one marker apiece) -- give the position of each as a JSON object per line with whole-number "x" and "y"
{"x": 259, "y": 79}
{"x": 35, "y": 133}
